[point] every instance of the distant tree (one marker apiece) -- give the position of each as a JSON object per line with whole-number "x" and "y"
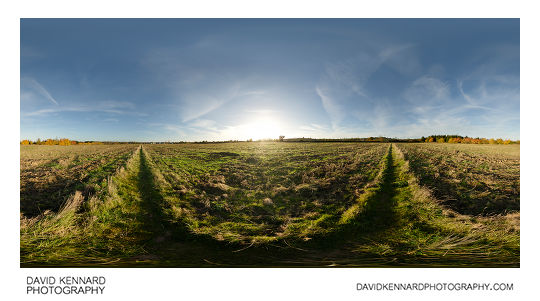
{"x": 440, "y": 140}
{"x": 281, "y": 138}
{"x": 50, "y": 142}
{"x": 25, "y": 142}
{"x": 64, "y": 141}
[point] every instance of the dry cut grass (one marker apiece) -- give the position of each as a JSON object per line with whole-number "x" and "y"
{"x": 470, "y": 179}
{"x": 50, "y": 174}
{"x": 259, "y": 192}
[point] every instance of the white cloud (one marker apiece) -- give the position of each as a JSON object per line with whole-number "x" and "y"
{"x": 196, "y": 106}
{"x": 467, "y": 97}
{"x": 204, "y": 124}
{"x": 401, "y": 58}
{"x": 111, "y": 107}
{"x": 314, "y": 127}
{"x": 111, "y": 120}
{"x": 30, "y": 83}
{"x": 342, "y": 85}
{"x": 332, "y": 108}
{"x": 427, "y": 90}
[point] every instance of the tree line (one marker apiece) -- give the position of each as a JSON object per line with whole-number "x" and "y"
{"x": 428, "y": 139}
{"x": 467, "y": 140}
{"x": 62, "y": 141}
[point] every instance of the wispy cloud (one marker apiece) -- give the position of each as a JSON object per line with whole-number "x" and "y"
{"x": 230, "y": 79}
{"x": 32, "y": 83}
{"x": 111, "y": 120}
{"x": 489, "y": 107}
{"x": 262, "y": 111}
{"x": 467, "y": 97}
{"x": 176, "y": 129}
{"x": 112, "y": 107}
{"x": 427, "y": 90}
{"x": 204, "y": 124}
{"x": 392, "y": 51}
{"x": 343, "y": 84}
{"x": 197, "y": 105}
{"x": 334, "y": 110}
{"x": 401, "y": 58}
{"x": 313, "y": 127}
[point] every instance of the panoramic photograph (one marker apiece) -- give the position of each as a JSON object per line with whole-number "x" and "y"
{"x": 262, "y": 143}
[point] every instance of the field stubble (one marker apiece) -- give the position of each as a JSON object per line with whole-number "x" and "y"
{"x": 269, "y": 204}
{"x": 470, "y": 179}
{"x": 51, "y": 174}
{"x": 264, "y": 192}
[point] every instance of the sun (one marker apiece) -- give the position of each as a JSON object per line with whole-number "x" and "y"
{"x": 263, "y": 128}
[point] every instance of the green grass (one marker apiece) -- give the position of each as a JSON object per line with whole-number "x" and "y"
{"x": 50, "y": 174}
{"x": 409, "y": 227}
{"x": 97, "y": 230}
{"x": 264, "y": 191}
{"x": 471, "y": 179}
{"x": 141, "y": 217}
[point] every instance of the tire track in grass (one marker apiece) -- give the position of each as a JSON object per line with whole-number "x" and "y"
{"x": 391, "y": 228}
{"x": 398, "y": 225}
{"x": 151, "y": 201}
{"x": 374, "y": 212}
{"x": 181, "y": 250}
{"x": 106, "y": 228}
{"x": 160, "y": 233}
{"x": 131, "y": 215}
{"x": 376, "y": 218}
{"x": 167, "y": 242}
{"x": 379, "y": 211}
{"x": 139, "y": 220}
{"x": 150, "y": 195}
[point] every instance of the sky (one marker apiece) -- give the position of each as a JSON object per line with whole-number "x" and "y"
{"x": 238, "y": 79}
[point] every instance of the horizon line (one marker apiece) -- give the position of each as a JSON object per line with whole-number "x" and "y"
{"x": 271, "y": 139}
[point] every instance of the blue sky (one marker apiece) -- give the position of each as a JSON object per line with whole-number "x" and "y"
{"x": 221, "y": 79}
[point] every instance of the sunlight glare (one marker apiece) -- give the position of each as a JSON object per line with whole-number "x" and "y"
{"x": 263, "y": 128}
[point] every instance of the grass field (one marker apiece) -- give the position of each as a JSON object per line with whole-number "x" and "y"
{"x": 264, "y": 204}
{"x": 471, "y": 179}
{"x": 49, "y": 174}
